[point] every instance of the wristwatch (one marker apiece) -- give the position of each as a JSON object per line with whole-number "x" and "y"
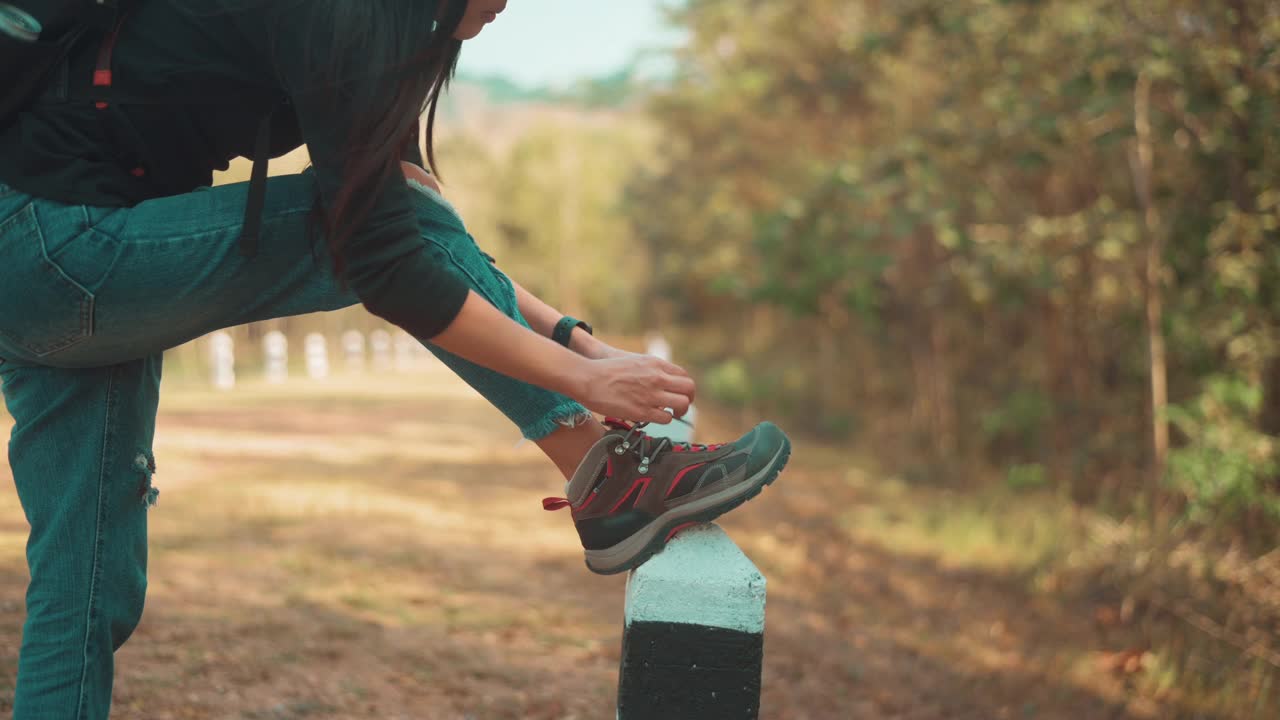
{"x": 564, "y": 329}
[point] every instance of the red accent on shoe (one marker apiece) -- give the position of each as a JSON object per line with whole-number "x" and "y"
{"x": 639, "y": 481}
{"x": 608, "y": 466}
{"x": 617, "y": 423}
{"x": 590, "y": 499}
{"x": 695, "y": 447}
{"x": 680, "y": 477}
{"x": 553, "y": 504}
{"x": 643, "y": 490}
{"x": 678, "y": 528}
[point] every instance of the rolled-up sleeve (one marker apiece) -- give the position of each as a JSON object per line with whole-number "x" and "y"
{"x": 384, "y": 258}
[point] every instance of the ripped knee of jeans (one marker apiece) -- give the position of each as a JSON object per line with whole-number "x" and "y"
{"x": 573, "y": 421}
{"x": 570, "y": 415}
{"x": 144, "y": 463}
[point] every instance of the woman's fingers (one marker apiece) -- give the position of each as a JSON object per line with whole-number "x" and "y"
{"x": 678, "y": 404}
{"x": 680, "y": 380}
{"x": 656, "y": 415}
{"x": 640, "y": 388}
{"x": 672, "y": 369}
{"x": 681, "y": 385}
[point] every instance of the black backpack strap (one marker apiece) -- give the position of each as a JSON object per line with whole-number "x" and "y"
{"x": 102, "y": 93}
{"x": 102, "y": 75}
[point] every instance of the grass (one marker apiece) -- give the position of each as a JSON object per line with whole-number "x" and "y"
{"x": 1077, "y": 556}
{"x": 993, "y": 529}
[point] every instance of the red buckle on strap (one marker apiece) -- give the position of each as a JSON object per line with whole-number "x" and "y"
{"x": 617, "y": 423}
{"x": 102, "y": 78}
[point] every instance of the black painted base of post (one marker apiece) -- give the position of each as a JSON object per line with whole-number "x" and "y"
{"x": 693, "y": 639}
{"x": 677, "y": 671}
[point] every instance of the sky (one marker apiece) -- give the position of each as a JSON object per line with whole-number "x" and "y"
{"x": 540, "y": 42}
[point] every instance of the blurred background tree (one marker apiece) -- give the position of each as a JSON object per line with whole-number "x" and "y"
{"x": 993, "y": 231}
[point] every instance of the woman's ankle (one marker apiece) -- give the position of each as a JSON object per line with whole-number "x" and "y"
{"x": 568, "y": 444}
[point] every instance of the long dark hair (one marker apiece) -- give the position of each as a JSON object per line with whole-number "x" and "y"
{"x": 385, "y": 63}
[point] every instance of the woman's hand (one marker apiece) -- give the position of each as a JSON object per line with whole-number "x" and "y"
{"x": 637, "y": 387}
{"x": 632, "y": 387}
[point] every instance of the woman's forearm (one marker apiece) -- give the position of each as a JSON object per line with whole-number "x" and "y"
{"x": 543, "y": 318}
{"x": 485, "y": 336}
{"x": 540, "y": 316}
{"x": 635, "y": 387}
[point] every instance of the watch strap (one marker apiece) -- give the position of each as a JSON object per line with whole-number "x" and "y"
{"x": 564, "y": 329}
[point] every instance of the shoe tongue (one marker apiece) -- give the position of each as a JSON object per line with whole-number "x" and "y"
{"x": 591, "y": 467}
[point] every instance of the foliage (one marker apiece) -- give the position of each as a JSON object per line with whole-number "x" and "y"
{"x": 546, "y": 197}
{"x": 1226, "y": 464}
{"x": 615, "y": 90}
{"x": 944, "y": 210}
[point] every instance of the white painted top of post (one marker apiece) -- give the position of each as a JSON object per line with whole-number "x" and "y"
{"x": 658, "y": 346}
{"x": 701, "y": 578}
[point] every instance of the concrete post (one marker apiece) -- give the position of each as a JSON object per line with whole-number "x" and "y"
{"x": 316, "y": 349}
{"x": 403, "y": 343}
{"x": 276, "y": 346}
{"x": 679, "y": 430}
{"x": 693, "y": 644}
{"x": 380, "y": 344}
{"x": 223, "y": 355}
{"x": 353, "y": 350}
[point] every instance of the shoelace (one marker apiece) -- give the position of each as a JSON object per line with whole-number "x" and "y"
{"x": 647, "y": 449}
{"x": 648, "y": 452}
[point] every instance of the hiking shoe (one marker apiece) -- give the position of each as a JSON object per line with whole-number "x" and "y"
{"x": 632, "y": 493}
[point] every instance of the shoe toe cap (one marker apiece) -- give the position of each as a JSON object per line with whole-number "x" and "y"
{"x": 767, "y": 442}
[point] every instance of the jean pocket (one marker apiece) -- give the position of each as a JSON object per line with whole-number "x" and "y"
{"x": 42, "y": 310}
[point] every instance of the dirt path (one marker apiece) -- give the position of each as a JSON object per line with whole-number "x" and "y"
{"x": 378, "y": 550}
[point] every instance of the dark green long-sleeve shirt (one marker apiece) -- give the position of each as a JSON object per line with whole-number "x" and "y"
{"x": 189, "y": 50}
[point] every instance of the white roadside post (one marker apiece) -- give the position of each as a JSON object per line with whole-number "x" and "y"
{"x": 404, "y": 343}
{"x": 276, "y": 346}
{"x": 353, "y": 350}
{"x": 317, "y": 352}
{"x": 680, "y": 429}
{"x": 693, "y": 643}
{"x": 223, "y": 356}
{"x": 380, "y": 344}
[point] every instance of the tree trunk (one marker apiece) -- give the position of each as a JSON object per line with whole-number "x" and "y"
{"x": 1058, "y": 438}
{"x": 1142, "y": 163}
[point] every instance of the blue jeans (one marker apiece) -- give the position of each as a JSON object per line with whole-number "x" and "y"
{"x": 89, "y": 300}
